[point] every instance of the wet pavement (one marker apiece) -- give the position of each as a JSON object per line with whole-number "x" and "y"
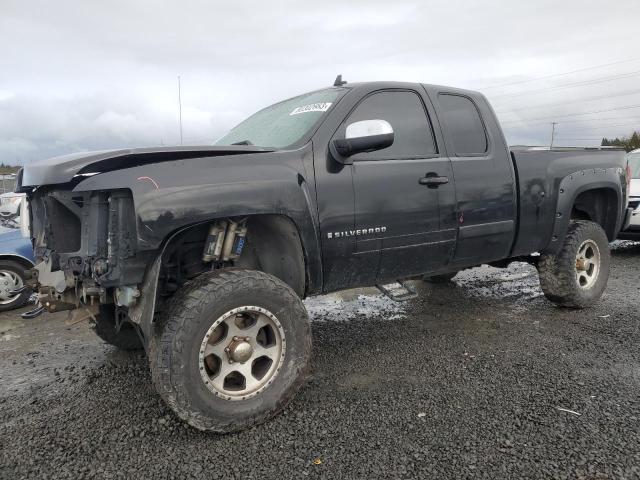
{"x": 480, "y": 378}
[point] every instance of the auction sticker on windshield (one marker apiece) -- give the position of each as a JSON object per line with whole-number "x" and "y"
{"x": 314, "y": 107}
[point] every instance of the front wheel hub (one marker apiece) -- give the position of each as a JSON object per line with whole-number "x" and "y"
{"x": 242, "y": 352}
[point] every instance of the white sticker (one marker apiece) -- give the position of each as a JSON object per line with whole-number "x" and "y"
{"x": 314, "y": 107}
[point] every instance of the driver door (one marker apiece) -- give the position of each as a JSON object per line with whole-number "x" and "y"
{"x": 404, "y": 192}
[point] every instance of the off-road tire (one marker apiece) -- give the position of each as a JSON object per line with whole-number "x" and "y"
{"x": 174, "y": 348}
{"x": 126, "y": 338}
{"x": 443, "y": 278}
{"x": 21, "y": 299}
{"x": 557, "y": 273}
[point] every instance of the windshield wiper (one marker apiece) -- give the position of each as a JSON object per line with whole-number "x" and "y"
{"x": 243, "y": 142}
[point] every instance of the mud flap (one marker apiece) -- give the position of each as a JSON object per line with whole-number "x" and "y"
{"x": 142, "y": 312}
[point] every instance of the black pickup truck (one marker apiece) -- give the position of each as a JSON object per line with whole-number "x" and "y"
{"x": 202, "y": 255}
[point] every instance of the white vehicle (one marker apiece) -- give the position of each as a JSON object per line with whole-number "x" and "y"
{"x": 10, "y": 208}
{"x": 632, "y": 232}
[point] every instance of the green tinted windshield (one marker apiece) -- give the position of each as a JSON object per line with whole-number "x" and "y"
{"x": 284, "y": 123}
{"x": 633, "y": 160}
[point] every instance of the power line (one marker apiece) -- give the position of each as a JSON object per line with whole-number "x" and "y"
{"x": 559, "y": 74}
{"x": 591, "y": 120}
{"x": 595, "y": 130}
{"x": 577, "y": 135}
{"x": 581, "y": 83}
{"x": 572, "y": 114}
{"x": 604, "y": 127}
{"x": 588, "y": 99}
{"x": 560, "y": 136}
{"x": 585, "y": 139}
{"x": 588, "y": 123}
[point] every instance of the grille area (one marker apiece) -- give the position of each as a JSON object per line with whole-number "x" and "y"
{"x": 64, "y": 227}
{"x": 56, "y": 223}
{"x": 89, "y": 235}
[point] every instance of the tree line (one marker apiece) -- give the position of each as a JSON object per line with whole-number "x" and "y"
{"x": 628, "y": 143}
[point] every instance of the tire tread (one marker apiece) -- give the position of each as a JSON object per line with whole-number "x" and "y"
{"x": 166, "y": 347}
{"x": 557, "y": 272}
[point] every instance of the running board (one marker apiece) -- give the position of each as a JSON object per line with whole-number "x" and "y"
{"x": 397, "y": 291}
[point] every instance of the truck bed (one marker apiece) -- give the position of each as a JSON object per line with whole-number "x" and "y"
{"x": 551, "y": 179}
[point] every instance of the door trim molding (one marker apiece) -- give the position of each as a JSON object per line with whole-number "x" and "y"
{"x": 482, "y": 229}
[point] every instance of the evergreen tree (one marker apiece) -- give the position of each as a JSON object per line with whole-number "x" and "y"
{"x": 628, "y": 143}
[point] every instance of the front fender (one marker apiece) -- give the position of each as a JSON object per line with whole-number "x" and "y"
{"x": 170, "y": 196}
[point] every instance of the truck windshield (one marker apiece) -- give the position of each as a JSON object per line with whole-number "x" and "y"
{"x": 633, "y": 160}
{"x": 284, "y": 123}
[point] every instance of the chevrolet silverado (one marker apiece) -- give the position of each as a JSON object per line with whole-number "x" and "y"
{"x": 202, "y": 255}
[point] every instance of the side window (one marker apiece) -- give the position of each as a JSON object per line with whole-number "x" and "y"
{"x": 413, "y": 136}
{"x": 464, "y": 125}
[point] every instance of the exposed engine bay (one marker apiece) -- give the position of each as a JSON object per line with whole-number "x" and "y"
{"x": 86, "y": 251}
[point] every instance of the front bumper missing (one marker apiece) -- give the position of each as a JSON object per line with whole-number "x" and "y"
{"x": 62, "y": 290}
{"x": 55, "y": 290}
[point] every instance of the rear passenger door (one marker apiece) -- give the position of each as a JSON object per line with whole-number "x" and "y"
{"x": 485, "y": 180}
{"x": 396, "y": 192}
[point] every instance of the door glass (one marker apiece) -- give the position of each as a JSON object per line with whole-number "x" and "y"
{"x": 463, "y": 124}
{"x": 413, "y": 136}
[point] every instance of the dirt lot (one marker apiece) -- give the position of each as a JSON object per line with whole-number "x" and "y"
{"x": 482, "y": 378}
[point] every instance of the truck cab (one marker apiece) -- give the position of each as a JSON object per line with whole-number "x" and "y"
{"x": 442, "y": 198}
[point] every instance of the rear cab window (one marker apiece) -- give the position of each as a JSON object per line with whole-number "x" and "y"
{"x": 463, "y": 125}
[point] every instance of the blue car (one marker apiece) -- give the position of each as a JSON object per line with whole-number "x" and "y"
{"x": 16, "y": 256}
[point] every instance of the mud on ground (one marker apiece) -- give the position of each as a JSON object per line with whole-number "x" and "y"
{"x": 482, "y": 378}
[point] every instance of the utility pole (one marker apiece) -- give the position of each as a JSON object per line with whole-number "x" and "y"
{"x": 553, "y": 133}
{"x": 180, "y": 108}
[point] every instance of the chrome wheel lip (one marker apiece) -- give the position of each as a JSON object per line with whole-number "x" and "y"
{"x": 13, "y": 282}
{"x": 268, "y": 378}
{"x": 584, "y": 262}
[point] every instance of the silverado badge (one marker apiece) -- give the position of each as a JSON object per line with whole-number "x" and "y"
{"x": 357, "y": 233}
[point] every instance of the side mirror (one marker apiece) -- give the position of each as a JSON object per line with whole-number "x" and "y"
{"x": 363, "y": 136}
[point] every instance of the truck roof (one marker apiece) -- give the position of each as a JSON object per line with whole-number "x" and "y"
{"x": 395, "y": 84}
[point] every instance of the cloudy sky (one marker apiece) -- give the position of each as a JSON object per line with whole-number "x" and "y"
{"x": 82, "y": 75}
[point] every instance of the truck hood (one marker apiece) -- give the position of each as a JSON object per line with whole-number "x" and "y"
{"x": 68, "y": 168}
{"x": 634, "y": 191}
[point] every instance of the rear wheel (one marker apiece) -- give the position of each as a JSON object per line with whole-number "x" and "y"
{"x": 125, "y": 337}
{"x": 232, "y": 351}
{"x": 578, "y": 274}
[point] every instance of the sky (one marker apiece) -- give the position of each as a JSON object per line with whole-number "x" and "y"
{"x": 87, "y": 75}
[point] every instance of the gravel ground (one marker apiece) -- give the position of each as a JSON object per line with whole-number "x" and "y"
{"x": 482, "y": 378}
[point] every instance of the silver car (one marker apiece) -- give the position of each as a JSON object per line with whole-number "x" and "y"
{"x": 10, "y": 209}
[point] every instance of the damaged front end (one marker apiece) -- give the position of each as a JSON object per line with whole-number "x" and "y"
{"x": 85, "y": 250}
